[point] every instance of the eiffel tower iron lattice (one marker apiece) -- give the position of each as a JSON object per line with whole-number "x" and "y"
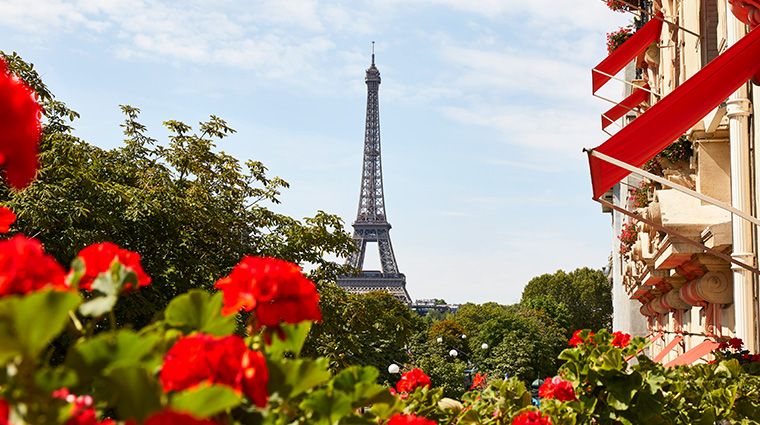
{"x": 371, "y": 224}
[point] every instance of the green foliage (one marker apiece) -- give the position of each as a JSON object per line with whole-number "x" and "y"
{"x": 586, "y": 293}
{"x": 471, "y": 316}
{"x": 199, "y": 311}
{"x": 27, "y": 324}
{"x": 451, "y": 334}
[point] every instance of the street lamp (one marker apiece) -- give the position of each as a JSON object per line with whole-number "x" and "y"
{"x": 393, "y": 368}
{"x": 453, "y": 353}
{"x": 484, "y": 346}
{"x": 439, "y": 339}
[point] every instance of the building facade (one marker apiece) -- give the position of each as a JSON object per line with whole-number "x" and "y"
{"x": 685, "y": 198}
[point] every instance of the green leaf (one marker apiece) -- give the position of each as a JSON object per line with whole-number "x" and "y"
{"x": 199, "y": 311}
{"x": 327, "y": 407}
{"x": 295, "y": 335}
{"x": 28, "y": 323}
{"x": 359, "y": 383}
{"x": 98, "y": 306}
{"x": 132, "y": 390}
{"x": 49, "y": 379}
{"x": 113, "y": 350}
{"x": 205, "y": 401}
{"x": 289, "y": 378}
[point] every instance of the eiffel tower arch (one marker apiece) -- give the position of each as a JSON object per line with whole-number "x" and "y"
{"x": 371, "y": 224}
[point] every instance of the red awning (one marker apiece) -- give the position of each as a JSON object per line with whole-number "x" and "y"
{"x": 635, "y": 99}
{"x": 663, "y": 123}
{"x": 694, "y": 354}
{"x": 624, "y": 54}
{"x": 671, "y": 345}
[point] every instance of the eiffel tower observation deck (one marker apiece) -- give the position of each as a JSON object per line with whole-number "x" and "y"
{"x": 371, "y": 224}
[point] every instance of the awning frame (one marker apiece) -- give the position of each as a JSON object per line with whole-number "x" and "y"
{"x": 679, "y": 236}
{"x": 622, "y": 81}
{"x": 678, "y": 339}
{"x": 682, "y": 189}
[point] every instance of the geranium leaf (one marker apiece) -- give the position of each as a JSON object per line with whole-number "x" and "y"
{"x": 295, "y": 335}
{"x": 28, "y": 323}
{"x": 205, "y": 401}
{"x": 133, "y": 391}
{"x": 290, "y": 378}
{"x": 111, "y": 350}
{"x": 327, "y": 407}
{"x": 199, "y": 311}
{"x": 98, "y": 306}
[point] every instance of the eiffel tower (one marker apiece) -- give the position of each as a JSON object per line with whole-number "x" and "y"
{"x": 371, "y": 224}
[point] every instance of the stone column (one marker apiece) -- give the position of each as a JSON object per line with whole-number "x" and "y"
{"x": 738, "y": 110}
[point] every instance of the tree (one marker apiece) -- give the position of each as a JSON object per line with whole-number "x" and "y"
{"x": 472, "y": 316}
{"x": 445, "y": 371}
{"x": 586, "y": 293}
{"x": 523, "y": 343}
{"x": 190, "y": 211}
{"x": 451, "y": 334}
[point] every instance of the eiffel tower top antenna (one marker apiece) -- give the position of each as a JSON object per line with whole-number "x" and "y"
{"x": 373, "y": 53}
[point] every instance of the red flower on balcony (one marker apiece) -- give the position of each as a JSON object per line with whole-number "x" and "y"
{"x": 25, "y": 268}
{"x": 275, "y": 290}
{"x": 617, "y": 5}
{"x": 20, "y": 129}
{"x": 616, "y": 39}
{"x": 412, "y": 380}
{"x": 557, "y": 388}
{"x": 204, "y": 358}
{"x": 628, "y": 236}
{"x": 621, "y": 339}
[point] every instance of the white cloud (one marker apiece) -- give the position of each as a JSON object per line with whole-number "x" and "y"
{"x": 556, "y": 130}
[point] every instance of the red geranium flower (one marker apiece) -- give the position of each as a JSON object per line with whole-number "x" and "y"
{"x": 20, "y": 129}
{"x": 621, "y": 339}
{"x": 532, "y": 418}
{"x": 276, "y": 290}
{"x": 24, "y": 267}
{"x": 412, "y": 380}
{"x": 557, "y": 388}
{"x": 203, "y": 358}
{"x": 410, "y": 419}
{"x": 479, "y": 381}
{"x": 736, "y": 343}
{"x": 98, "y": 258}
{"x": 7, "y": 217}
{"x": 576, "y": 339}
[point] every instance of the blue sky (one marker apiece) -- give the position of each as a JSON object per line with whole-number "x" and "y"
{"x": 484, "y": 109}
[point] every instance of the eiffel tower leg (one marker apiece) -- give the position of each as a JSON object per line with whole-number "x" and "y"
{"x": 387, "y": 259}
{"x": 356, "y": 259}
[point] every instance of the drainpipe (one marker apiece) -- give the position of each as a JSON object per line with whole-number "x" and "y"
{"x": 738, "y": 110}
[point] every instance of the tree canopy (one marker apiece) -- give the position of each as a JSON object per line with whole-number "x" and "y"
{"x": 585, "y": 292}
